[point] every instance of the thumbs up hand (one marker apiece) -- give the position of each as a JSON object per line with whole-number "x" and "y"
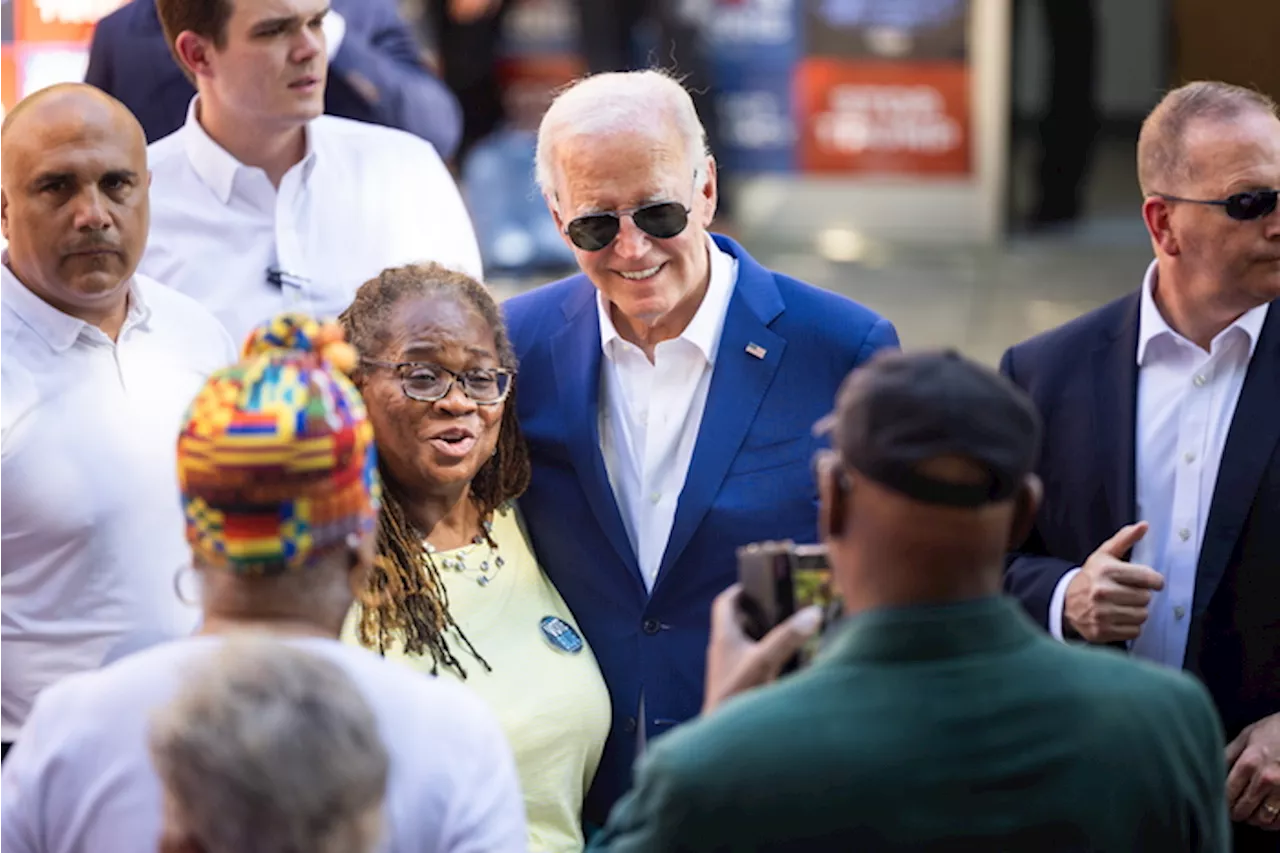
{"x": 1107, "y": 600}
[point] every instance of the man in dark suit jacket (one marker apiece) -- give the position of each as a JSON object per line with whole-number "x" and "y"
{"x": 667, "y": 395}
{"x": 938, "y": 718}
{"x": 1162, "y": 415}
{"x": 375, "y": 75}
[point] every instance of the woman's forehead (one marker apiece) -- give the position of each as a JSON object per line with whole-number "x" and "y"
{"x": 439, "y": 321}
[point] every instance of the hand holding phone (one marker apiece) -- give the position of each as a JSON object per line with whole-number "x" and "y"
{"x": 779, "y": 579}
{"x": 737, "y": 663}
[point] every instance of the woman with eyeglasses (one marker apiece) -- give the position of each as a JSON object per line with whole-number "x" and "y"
{"x": 456, "y": 589}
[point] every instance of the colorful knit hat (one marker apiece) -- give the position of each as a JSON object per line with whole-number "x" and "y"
{"x": 276, "y": 462}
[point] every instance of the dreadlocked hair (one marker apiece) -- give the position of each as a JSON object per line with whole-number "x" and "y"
{"x": 405, "y": 601}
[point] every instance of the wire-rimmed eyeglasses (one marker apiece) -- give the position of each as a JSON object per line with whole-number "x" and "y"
{"x": 427, "y": 382}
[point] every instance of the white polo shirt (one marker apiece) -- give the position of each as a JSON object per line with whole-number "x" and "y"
{"x": 83, "y": 780}
{"x": 362, "y": 199}
{"x": 91, "y": 527}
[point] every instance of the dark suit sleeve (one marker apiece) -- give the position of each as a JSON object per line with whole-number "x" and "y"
{"x": 99, "y": 71}
{"x": 384, "y": 61}
{"x": 1031, "y": 574}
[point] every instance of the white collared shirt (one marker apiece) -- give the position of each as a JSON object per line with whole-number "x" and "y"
{"x": 362, "y": 199}
{"x": 650, "y": 413}
{"x": 1186, "y": 400}
{"x": 91, "y": 515}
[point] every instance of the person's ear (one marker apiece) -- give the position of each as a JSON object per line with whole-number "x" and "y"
{"x": 4, "y": 214}
{"x": 194, "y": 52}
{"x": 1157, "y": 214}
{"x": 709, "y": 190}
{"x": 1026, "y": 505}
{"x": 362, "y": 550}
{"x": 834, "y": 493}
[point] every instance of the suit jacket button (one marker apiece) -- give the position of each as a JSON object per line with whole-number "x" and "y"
{"x": 630, "y": 725}
{"x": 651, "y": 626}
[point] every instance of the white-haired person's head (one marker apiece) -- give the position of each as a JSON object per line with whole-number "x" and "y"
{"x": 269, "y": 749}
{"x": 622, "y": 161}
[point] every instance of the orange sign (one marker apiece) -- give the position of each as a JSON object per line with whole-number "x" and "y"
{"x": 899, "y": 117}
{"x": 68, "y": 21}
{"x": 8, "y": 77}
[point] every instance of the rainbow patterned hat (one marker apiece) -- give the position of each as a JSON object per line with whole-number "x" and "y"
{"x": 276, "y": 462}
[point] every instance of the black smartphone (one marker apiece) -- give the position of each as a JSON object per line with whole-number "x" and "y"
{"x": 779, "y": 578}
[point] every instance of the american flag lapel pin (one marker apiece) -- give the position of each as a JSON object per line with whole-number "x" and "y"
{"x": 754, "y": 349}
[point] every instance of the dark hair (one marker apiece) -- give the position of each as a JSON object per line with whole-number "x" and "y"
{"x": 206, "y": 18}
{"x": 406, "y": 600}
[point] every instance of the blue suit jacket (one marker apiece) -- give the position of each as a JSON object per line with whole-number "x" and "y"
{"x": 1084, "y": 379}
{"x": 130, "y": 60}
{"x": 749, "y": 479}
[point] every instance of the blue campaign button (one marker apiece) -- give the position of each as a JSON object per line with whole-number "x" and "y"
{"x": 560, "y": 634}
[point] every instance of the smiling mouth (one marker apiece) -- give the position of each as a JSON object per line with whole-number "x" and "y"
{"x": 641, "y": 275}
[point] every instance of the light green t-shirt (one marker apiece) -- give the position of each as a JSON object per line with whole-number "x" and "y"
{"x": 552, "y": 703}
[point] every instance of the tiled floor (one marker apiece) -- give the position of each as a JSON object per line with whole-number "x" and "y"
{"x": 980, "y": 300}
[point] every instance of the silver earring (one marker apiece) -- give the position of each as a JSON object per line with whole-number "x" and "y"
{"x": 177, "y": 585}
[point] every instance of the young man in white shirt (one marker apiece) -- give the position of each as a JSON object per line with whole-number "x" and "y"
{"x": 98, "y": 367}
{"x": 261, "y": 204}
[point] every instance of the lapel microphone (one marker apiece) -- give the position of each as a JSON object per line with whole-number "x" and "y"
{"x": 278, "y": 278}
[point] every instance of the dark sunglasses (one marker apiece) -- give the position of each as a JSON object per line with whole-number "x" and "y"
{"x": 1240, "y": 206}
{"x": 662, "y": 220}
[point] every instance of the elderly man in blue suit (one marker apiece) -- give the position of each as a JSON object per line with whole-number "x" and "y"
{"x": 668, "y": 394}
{"x": 376, "y": 72}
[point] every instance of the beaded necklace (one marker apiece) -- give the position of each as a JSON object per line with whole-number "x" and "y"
{"x": 461, "y": 560}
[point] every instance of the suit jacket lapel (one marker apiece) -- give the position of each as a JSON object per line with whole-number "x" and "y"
{"x": 576, "y": 356}
{"x": 739, "y": 381}
{"x": 1115, "y": 371}
{"x": 1251, "y": 440}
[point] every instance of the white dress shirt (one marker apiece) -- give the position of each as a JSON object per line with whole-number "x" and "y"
{"x": 84, "y": 781}
{"x": 1186, "y": 400}
{"x": 362, "y": 199}
{"x": 91, "y": 516}
{"x": 650, "y": 414}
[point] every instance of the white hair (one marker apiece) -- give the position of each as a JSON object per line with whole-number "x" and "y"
{"x": 267, "y": 749}
{"x": 648, "y": 101}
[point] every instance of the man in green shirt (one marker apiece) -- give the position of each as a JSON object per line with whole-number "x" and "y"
{"x": 938, "y": 718}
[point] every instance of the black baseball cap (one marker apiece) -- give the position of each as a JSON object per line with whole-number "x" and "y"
{"x": 901, "y": 409}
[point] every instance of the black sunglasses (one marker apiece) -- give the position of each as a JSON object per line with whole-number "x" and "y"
{"x": 662, "y": 220}
{"x": 1240, "y": 206}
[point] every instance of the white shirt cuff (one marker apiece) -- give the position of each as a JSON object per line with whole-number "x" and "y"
{"x": 1058, "y": 603}
{"x": 334, "y": 29}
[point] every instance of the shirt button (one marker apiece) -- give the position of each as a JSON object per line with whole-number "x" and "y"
{"x": 1184, "y": 534}
{"x": 1179, "y": 611}
{"x": 1199, "y": 380}
{"x": 651, "y": 626}
{"x": 1189, "y": 457}
{"x": 654, "y": 498}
